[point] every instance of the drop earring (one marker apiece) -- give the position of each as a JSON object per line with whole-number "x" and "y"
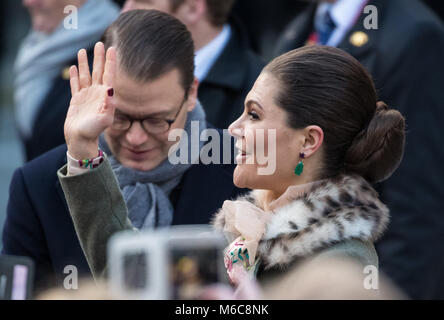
{"x": 300, "y": 166}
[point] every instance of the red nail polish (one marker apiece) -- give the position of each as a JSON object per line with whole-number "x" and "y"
{"x": 110, "y": 92}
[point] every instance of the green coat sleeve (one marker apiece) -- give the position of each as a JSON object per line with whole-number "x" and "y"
{"x": 98, "y": 211}
{"x": 362, "y": 252}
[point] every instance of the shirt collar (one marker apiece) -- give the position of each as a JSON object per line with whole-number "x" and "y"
{"x": 207, "y": 55}
{"x": 342, "y": 12}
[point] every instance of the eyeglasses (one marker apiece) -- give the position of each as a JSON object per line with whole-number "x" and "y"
{"x": 150, "y": 125}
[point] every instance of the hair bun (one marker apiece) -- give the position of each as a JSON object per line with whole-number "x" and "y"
{"x": 376, "y": 151}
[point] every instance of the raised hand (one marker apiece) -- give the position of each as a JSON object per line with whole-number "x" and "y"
{"x": 91, "y": 109}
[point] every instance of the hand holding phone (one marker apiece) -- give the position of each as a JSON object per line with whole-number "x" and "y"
{"x": 172, "y": 263}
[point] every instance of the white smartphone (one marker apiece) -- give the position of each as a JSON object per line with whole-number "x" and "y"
{"x": 172, "y": 263}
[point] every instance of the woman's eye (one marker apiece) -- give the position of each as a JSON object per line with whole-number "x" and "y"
{"x": 253, "y": 115}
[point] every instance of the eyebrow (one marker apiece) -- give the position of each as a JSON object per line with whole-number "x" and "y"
{"x": 250, "y": 102}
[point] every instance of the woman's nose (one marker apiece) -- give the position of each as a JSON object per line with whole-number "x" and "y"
{"x": 235, "y": 129}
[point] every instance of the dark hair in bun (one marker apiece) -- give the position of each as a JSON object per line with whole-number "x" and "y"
{"x": 327, "y": 87}
{"x": 376, "y": 151}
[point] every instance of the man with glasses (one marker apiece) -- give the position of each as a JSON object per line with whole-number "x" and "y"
{"x": 129, "y": 117}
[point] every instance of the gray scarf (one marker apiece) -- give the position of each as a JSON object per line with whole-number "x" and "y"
{"x": 146, "y": 193}
{"x": 41, "y": 58}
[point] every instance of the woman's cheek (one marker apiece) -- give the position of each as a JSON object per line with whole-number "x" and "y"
{"x": 250, "y": 140}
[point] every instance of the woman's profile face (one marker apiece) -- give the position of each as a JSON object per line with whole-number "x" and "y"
{"x": 268, "y": 148}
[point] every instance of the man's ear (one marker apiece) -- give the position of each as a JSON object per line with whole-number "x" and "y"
{"x": 192, "y": 95}
{"x": 314, "y": 137}
{"x": 191, "y": 11}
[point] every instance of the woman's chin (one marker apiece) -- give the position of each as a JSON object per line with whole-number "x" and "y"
{"x": 242, "y": 176}
{"x": 246, "y": 176}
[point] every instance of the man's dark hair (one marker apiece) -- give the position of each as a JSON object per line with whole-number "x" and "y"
{"x": 151, "y": 43}
{"x": 218, "y": 10}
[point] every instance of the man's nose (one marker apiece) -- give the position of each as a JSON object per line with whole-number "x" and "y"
{"x": 136, "y": 135}
{"x": 128, "y": 5}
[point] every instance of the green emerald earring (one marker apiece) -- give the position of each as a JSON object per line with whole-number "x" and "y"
{"x": 300, "y": 166}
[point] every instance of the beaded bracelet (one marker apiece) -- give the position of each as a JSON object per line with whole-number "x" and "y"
{"x": 93, "y": 162}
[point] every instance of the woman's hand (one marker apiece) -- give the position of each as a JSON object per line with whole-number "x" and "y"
{"x": 91, "y": 109}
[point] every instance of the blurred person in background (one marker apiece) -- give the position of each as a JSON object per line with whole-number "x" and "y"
{"x": 404, "y": 55}
{"x": 333, "y": 278}
{"x": 225, "y": 65}
{"x": 325, "y": 278}
{"x": 265, "y": 20}
{"x": 154, "y": 92}
{"x": 41, "y": 76}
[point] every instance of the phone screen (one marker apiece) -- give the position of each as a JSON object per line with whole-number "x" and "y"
{"x": 191, "y": 269}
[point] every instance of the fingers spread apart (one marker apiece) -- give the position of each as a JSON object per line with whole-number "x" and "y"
{"x": 84, "y": 74}
{"x": 110, "y": 67}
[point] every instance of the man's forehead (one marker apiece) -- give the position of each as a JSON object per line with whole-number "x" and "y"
{"x": 139, "y": 105}
{"x": 166, "y": 85}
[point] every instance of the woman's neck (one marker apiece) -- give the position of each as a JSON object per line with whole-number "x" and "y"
{"x": 297, "y": 181}
{"x": 277, "y": 198}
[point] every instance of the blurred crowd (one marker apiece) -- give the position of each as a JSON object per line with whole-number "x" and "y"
{"x": 402, "y": 48}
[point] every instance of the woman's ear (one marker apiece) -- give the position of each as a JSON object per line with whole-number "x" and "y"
{"x": 192, "y": 95}
{"x": 314, "y": 137}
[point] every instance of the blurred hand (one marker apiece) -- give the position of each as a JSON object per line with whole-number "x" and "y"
{"x": 91, "y": 109}
{"x": 246, "y": 288}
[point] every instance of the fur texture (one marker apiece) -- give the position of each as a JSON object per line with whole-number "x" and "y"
{"x": 333, "y": 211}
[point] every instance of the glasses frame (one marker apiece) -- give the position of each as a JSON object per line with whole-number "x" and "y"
{"x": 168, "y": 121}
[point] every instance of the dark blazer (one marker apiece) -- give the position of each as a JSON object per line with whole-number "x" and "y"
{"x": 224, "y": 89}
{"x": 405, "y": 58}
{"x": 47, "y": 132}
{"x": 39, "y": 226}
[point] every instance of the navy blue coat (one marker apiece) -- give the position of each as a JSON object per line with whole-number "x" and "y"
{"x": 39, "y": 226}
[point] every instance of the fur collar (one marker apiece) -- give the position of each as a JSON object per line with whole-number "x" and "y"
{"x": 331, "y": 211}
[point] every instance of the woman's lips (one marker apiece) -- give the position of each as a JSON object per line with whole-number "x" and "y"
{"x": 241, "y": 157}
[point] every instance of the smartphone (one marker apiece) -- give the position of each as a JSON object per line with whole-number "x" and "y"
{"x": 173, "y": 263}
{"x": 16, "y": 277}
